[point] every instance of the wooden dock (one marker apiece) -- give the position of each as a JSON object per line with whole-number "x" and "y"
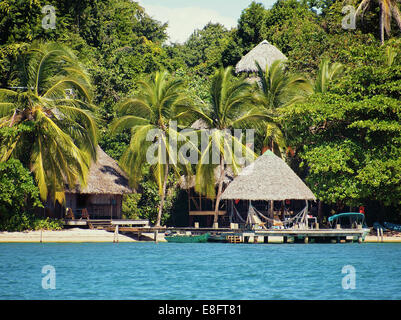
{"x": 283, "y": 235}
{"x": 141, "y": 229}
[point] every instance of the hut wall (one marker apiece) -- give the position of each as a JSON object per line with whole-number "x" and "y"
{"x": 119, "y": 204}
{"x": 105, "y": 206}
{"x": 71, "y": 201}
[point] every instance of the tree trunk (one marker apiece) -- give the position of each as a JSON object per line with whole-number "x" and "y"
{"x": 219, "y": 190}
{"x": 319, "y": 211}
{"x": 162, "y": 197}
{"x": 382, "y": 17}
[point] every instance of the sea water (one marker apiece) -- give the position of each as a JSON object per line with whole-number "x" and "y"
{"x": 200, "y": 271}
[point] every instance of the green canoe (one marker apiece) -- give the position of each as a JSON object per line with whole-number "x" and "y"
{"x": 187, "y": 239}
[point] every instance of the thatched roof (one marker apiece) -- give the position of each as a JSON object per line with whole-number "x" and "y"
{"x": 268, "y": 178}
{"x": 264, "y": 53}
{"x": 105, "y": 177}
{"x": 189, "y": 182}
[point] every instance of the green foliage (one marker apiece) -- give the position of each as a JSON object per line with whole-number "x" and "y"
{"x": 130, "y": 209}
{"x": 63, "y": 138}
{"x": 349, "y": 137}
{"x": 150, "y": 199}
{"x": 19, "y": 198}
{"x": 145, "y": 203}
{"x": 250, "y": 24}
{"x": 27, "y": 222}
{"x": 18, "y": 192}
{"x": 202, "y": 52}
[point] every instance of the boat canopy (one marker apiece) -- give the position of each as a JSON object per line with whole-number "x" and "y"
{"x": 352, "y": 215}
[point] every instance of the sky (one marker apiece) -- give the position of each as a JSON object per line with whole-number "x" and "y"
{"x": 184, "y": 16}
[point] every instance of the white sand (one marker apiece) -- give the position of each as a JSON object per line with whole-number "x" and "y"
{"x": 68, "y": 235}
{"x": 385, "y": 239}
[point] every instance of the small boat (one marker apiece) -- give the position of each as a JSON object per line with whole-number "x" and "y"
{"x": 180, "y": 238}
{"x": 392, "y": 226}
{"x": 378, "y": 226}
{"x": 347, "y": 219}
{"x": 217, "y": 238}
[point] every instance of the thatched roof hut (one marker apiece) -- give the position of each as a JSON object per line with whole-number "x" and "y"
{"x": 268, "y": 178}
{"x": 105, "y": 177}
{"x": 264, "y": 53}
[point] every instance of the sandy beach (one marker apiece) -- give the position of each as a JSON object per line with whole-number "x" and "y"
{"x": 385, "y": 239}
{"x": 87, "y": 235}
{"x": 69, "y": 235}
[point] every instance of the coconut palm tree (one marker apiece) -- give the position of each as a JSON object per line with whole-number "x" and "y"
{"x": 277, "y": 88}
{"x": 388, "y": 10}
{"x": 231, "y": 106}
{"x": 327, "y": 72}
{"x": 150, "y": 116}
{"x": 49, "y": 119}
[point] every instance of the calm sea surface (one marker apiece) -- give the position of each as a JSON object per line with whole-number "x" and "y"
{"x": 200, "y": 271}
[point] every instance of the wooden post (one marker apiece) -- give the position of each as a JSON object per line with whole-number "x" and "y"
{"x": 115, "y": 238}
{"x": 155, "y": 235}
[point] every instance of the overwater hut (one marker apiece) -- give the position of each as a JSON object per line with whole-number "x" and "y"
{"x": 266, "y": 181}
{"x": 102, "y": 197}
{"x": 264, "y": 53}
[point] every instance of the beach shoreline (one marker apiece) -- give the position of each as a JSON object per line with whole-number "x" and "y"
{"x": 77, "y": 235}
{"x": 66, "y": 235}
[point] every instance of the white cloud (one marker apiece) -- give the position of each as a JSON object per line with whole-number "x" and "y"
{"x": 183, "y": 21}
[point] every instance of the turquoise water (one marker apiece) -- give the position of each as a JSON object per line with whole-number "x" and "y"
{"x": 200, "y": 271}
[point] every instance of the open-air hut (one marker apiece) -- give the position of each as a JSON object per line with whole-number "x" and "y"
{"x": 102, "y": 197}
{"x": 264, "y": 53}
{"x": 266, "y": 180}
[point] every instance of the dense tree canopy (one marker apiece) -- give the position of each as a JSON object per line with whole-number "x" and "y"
{"x": 345, "y": 137}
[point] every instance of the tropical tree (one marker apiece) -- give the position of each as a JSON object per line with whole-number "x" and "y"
{"x": 388, "y": 10}
{"x": 152, "y": 116}
{"x": 327, "y": 72}
{"x": 46, "y": 122}
{"x": 231, "y": 106}
{"x": 277, "y": 88}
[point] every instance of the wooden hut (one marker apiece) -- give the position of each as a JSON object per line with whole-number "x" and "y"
{"x": 266, "y": 180}
{"x": 102, "y": 197}
{"x": 264, "y": 53}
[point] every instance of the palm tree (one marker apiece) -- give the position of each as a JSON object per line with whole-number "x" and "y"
{"x": 388, "y": 9}
{"x": 150, "y": 115}
{"x": 277, "y": 88}
{"x": 50, "y": 115}
{"x": 389, "y": 56}
{"x": 232, "y": 106}
{"x": 327, "y": 72}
